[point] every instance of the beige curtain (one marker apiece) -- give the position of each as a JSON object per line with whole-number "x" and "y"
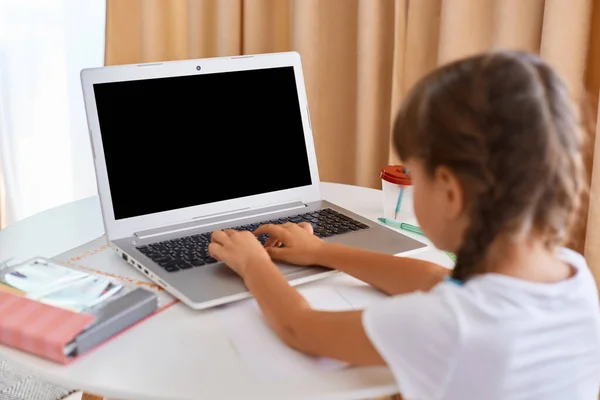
{"x": 360, "y": 56}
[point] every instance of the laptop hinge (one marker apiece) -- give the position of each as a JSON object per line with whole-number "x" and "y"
{"x": 220, "y": 218}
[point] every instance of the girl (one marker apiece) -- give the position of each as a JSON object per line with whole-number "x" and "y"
{"x": 494, "y": 147}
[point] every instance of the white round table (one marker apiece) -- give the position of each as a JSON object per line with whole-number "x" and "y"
{"x": 181, "y": 353}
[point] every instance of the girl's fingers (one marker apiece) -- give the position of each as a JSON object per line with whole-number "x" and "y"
{"x": 215, "y": 250}
{"x": 271, "y": 242}
{"x": 289, "y": 225}
{"x": 219, "y": 237}
{"x": 275, "y": 252}
{"x": 306, "y": 226}
{"x": 273, "y": 230}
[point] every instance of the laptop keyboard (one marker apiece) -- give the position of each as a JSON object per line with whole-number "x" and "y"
{"x": 192, "y": 251}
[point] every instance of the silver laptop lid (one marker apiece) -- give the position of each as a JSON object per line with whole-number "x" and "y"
{"x": 175, "y": 142}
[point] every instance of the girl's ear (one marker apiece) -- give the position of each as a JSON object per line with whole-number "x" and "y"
{"x": 453, "y": 196}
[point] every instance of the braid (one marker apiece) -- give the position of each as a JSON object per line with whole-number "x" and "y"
{"x": 481, "y": 232}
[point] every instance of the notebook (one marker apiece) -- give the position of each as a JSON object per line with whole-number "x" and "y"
{"x": 59, "y": 313}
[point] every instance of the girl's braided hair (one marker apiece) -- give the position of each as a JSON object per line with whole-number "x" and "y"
{"x": 505, "y": 124}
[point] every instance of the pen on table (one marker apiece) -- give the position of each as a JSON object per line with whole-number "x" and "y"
{"x": 410, "y": 228}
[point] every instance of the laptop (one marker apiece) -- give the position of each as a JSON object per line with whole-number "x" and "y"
{"x": 183, "y": 148}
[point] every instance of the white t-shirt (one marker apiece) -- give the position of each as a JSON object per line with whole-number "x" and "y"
{"x": 495, "y": 337}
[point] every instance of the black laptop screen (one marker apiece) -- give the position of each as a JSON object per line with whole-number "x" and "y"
{"x": 177, "y": 142}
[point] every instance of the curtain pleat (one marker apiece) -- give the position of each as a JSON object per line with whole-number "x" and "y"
{"x": 331, "y": 80}
{"x": 422, "y": 40}
{"x": 398, "y": 69}
{"x": 229, "y": 28}
{"x": 374, "y": 89}
{"x": 592, "y": 236}
{"x": 202, "y": 24}
{"x": 123, "y": 32}
{"x": 165, "y": 30}
{"x": 464, "y": 28}
{"x": 266, "y": 26}
{"x": 565, "y": 35}
{"x": 517, "y": 24}
{"x": 592, "y": 76}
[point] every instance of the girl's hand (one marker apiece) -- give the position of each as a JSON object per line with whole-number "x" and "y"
{"x": 238, "y": 250}
{"x": 301, "y": 246}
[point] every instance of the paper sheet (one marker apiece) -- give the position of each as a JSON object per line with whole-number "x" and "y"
{"x": 261, "y": 349}
{"x": 360, "y": 295}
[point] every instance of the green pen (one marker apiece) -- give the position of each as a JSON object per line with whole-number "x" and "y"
{"x": 410, "y": 228}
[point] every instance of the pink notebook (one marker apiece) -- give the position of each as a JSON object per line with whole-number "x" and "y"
{"x": 38, "y": 328}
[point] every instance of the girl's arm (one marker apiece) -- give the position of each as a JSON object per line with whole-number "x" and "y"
{"x": 390, "y": 274}
{"x": 338, "y": 335}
